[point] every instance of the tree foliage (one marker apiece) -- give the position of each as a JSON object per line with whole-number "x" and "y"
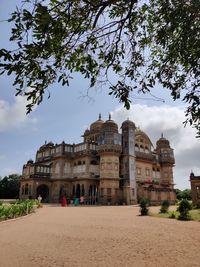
{"x": 143, "y": 43}
{"x": 183, "y": 194}
{"x": 144, "y": 204}
{"x": 184, "y": 208}
{"x": 9, "y": 186}
{"x": 164, "y": 206}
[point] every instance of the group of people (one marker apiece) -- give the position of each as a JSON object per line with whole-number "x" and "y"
{"x": 76, "y": 201}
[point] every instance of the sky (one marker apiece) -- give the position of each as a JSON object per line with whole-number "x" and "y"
{"x": 68, "y": 112}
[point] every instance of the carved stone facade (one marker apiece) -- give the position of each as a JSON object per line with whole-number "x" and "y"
{"x": 108, "y": 167}
{"x": 195, "y": 188}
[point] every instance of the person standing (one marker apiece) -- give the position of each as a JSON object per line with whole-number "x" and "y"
{"x": 82, "y": 200}
{"x": 39, "y": 199}
{"x": 64, "y": 201}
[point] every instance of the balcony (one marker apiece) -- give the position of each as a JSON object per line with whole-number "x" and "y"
{"x": 167, "y": 160}
{"x": 144, "y": 156}
{"x": 40, "y": 175}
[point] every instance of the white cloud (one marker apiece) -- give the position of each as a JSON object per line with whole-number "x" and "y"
{"x": 168, "y": 120}
{"x": 14, "y": 115}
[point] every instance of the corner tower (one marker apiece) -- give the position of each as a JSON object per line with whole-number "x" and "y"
{"x": 166, "y": 158}
{"x": 129, "y": 162}
{"x": 109, "y": 150}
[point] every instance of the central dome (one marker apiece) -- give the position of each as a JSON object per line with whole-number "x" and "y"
{"x": 141, "y": 136}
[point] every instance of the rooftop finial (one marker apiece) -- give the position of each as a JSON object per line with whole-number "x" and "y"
{"x": 109, "y": 116}
{"x": 161, "y": 135}
{"x": 99, "y": 116}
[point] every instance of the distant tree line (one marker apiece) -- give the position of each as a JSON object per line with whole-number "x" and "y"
{"x": 183, "y": 194}
{"x": 9, "y": 186}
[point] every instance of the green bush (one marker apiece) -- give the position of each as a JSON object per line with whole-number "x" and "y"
{"x": 20, "y": 208}
{"x": 144, "y": 203}
{"x": 184, "y": 208}
{"x": 164, "y": 206}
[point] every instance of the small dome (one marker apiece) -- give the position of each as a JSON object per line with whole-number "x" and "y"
{"x": 191, "y": 174}
{"x": 46, "y": 145}
{"x": 87, "y": 131}
{"x": 110, "y": 126}
{"x": 128, "y": 123}
{"x": 50, "y": 144}
{"x": 96, "y": 126}
{"x": 162, "y": 143}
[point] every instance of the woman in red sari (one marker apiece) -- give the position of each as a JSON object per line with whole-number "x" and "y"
{"x": 64, "y": 201}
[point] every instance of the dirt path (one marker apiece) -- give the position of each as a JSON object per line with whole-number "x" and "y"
{"x": 98, "y": 236}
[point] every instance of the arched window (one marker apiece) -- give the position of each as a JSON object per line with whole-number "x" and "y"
{"x": 93, "y": 162}
{"x": 141, "y": 148}
{"x": 82, "y": 190}
{"x": 67, "y": 167}
{"x": 29, "y": 191}
{"x": 73, "y": 190}
{"x": 26, "y": 189}
{"x": 146, "y": 149}
{"x": 78, "y": 190}
{"x": 23, "y": 190}
{"x": 79, "y": 162}
{"x": 136, "y": 147}
{"x": 57, "y": 168}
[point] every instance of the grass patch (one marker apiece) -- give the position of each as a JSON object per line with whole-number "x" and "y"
{"x": 169, "y": 214}
{"x": 195, "y": 215}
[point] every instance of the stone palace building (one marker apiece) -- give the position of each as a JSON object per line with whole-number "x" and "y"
{"x": 108, "y": 167}
{"x": 195, "y": 188}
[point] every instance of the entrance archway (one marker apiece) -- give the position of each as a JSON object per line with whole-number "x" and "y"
{"x": 43, "y": 191}
{"x": 78, "y": 190}
{"x": 93, "y": 194}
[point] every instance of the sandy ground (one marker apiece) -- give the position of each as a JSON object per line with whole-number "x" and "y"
{"x": 98, "y": 236}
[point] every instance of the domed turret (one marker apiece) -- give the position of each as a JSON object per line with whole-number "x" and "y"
{"x": 162, "y": 143}
{"x": 87, "y": 131}
{"x": 46, "y": 145}
{"x": 110, "y": 126}
{"x": 96, "y": 126}
{"x": 164, "y": 150}
{"x": 128, "y": 124}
